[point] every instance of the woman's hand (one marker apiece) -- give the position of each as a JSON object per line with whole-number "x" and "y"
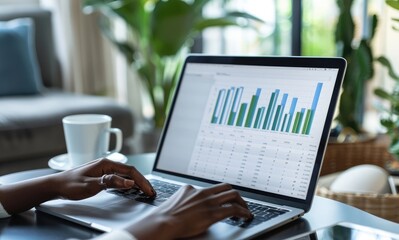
{"x": 191, "y": 211}
{"x": 78, "y": 183}
{"x": 93, "y": 177}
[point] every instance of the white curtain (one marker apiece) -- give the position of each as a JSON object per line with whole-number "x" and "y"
{"x": 80, "y": 48}
{"x": 90, "y": 63}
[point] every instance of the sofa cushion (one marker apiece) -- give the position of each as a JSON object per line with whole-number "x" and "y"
{"x": 19, "y": 70}
{"x": 31, "y": 126}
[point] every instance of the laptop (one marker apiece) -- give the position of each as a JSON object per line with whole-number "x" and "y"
{"x": 258, "y": 123}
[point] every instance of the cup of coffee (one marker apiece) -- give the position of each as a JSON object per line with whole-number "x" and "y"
{"x": 87, "y": 137}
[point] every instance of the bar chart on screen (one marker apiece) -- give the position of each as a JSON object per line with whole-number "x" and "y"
{"x": 261, "y": 127}
{"x": 262, "y": 135}
{"x": 276, "y": 114}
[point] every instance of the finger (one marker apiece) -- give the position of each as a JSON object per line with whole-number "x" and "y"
{"x": 231, "y": 210}
{"x": 224, "y": 187}
{"x": 221, "y": 187}
{"x": 134, "y": 174}
{"x": 115, "y": 181}
{"x": 230, "y": 196}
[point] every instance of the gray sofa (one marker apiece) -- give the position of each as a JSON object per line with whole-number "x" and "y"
{"x": 30, "y": 125}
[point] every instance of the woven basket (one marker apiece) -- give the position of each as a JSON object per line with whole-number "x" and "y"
{"x": 340, "y": 157}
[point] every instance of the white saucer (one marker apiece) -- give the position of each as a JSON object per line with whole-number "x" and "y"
{"x": 61, "y": 162}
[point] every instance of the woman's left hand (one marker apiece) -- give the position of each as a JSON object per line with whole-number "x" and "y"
{"x": 95, "y": 176}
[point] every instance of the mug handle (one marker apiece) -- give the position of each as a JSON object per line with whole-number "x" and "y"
{"x": 118, "y": 135}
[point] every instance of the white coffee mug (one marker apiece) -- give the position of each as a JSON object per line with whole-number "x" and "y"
{"x": 87, "y": 137}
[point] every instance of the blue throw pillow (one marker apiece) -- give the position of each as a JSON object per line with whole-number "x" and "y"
{"x": 19, "y": 69}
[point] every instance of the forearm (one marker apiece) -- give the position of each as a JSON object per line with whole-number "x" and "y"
{"x": 22, "y": 196}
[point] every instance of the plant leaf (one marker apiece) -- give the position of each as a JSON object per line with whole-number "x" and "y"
{"x": 133, "y": 13}
{"x": 215, "y": 22}
{"x": 393, "y": 3}
{"x": 345, "y": 27}
{"x": 243, "y": 15}
{"x": 386, "y": 63}
{"x": 364, "y": 58}
{"x": 126, "y": 48}
{"x": 228, "y": 19}
{"x": 198, "y": 5}
{"x": 94, "y": 5}
{"x": 382, "y": 94}
{"x": 171, "y": 25}
{"x": 394, "y": 147}
{"x": 387, "y": 123}
{"x": 374, "y": 23}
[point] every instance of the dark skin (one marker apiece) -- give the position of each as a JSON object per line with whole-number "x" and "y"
{"x": 188, "y": 212}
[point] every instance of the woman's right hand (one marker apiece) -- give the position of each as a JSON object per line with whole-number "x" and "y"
{"x": 191, "y": 211}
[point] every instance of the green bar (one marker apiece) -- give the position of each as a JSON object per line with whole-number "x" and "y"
{"x": 285, "y": 118}
{"x": 299, "y": 122}
{"x": 241, "y": 114}
{"x": 257, "y": 117}
{"x": 310, "y": 122}
{"x": 269, "y": 108}
{"x": 276, "y": 117}
{"x": 296, "y": 121}
{"x": 226, "y": 101}
{"x": 231, "y": 118}
{"x": 214, "y": 118}
{"x": 251, "y": 111}
{"x": 233, "y": 113}
{"x": 307, "y": 118}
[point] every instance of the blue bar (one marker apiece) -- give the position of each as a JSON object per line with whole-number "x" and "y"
{"x": 218, "y": 106}
{"x": 285, "y": 119}
{"x": 316, "y": 96}
{"x": 261, "y": 116}
{"x": 283, "y": 102}
{"x": 226, "y": 103}
{"x": 292, "y": 112}
{"x": 234, "y": 107}
{"x": 274, "y": 105}
{"x": 314, "y": 103}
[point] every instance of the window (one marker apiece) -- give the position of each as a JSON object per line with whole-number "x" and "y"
{"x": 271, "y": 38}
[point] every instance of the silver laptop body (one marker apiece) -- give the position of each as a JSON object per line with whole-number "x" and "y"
{"x": 260, "y": 124}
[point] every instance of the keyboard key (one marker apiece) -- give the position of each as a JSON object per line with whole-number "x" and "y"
{"x": 164, "y": 191}
{"x": 261, "y": 214}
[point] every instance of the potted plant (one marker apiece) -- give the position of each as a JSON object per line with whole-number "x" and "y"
{"x": 390, "y": 118}
{"x": 160, "y": 34}
{"x": 360, "y": 66}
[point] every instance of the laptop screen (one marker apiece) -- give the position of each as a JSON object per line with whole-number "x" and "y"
{"x": 252, "y": 126}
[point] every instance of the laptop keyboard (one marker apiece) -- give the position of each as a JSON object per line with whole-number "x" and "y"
{"x": 262, "y": 213}
{"x": 164, "y": 190}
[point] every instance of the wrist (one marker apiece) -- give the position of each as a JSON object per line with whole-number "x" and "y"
{"x": 148, "y": 226}
{"x": 53, "y": 185}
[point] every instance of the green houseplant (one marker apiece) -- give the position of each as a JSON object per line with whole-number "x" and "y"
{"x": 360, "y": 67}
{"x": 390, "y": 120}
{"x": 160, "y": 33}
